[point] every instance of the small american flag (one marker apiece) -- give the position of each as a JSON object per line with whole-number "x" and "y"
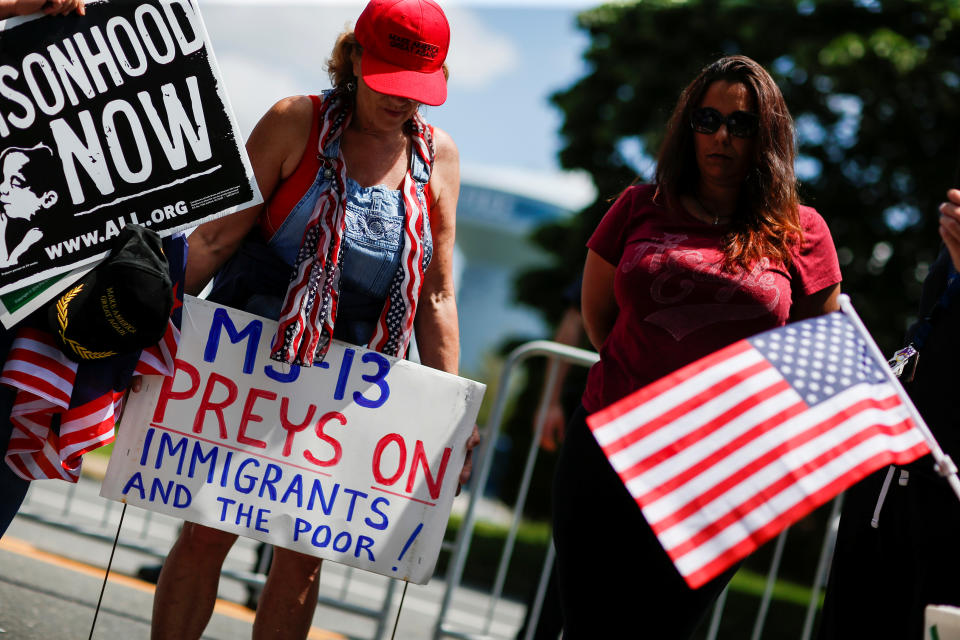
{"x": 63, "y": 409}
{"x": 726, "y": 452}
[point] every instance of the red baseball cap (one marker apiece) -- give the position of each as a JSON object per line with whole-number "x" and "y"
{"x": 404, "y": 45}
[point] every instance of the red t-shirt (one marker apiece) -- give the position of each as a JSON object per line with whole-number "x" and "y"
{"x": 676, "y": 304}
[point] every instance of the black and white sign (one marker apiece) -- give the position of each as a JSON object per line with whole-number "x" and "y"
{"x": 112, "y": 118}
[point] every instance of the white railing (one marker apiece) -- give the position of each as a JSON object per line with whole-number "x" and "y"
{"x": 557, "y": 353}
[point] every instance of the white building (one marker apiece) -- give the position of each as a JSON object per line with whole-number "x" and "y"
{"x": 498, "y": 209}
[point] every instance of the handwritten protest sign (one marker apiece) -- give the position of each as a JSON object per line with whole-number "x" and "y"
{"x": 108, "y": 119}
{"x": 355, "y": 460}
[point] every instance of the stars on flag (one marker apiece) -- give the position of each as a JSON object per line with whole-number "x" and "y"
{"x": 819, "y": 357}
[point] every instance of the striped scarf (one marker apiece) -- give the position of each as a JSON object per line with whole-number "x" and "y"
{"x": 310, "y": 309}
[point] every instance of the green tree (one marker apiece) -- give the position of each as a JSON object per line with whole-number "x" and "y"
{"x": 872, "y": 85}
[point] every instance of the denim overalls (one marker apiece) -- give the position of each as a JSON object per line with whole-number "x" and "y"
{"x": 255, "y": 279}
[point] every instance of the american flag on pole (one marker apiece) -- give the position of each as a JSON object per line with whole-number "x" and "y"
{"x": 728, "y": 451}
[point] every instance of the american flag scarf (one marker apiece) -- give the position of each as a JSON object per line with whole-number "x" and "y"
{"x": 310, "y": 309}
{"x": 64, "y": 409}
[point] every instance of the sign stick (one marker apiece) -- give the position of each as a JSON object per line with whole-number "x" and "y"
{"x": 943, "y": 464}
{"x": 406, "y": 583}
{"x": 106, "y": 575}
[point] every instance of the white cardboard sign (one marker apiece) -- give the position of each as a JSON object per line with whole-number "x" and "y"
{"x": 355, "y": 460}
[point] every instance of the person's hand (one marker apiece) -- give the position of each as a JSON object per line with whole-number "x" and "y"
{"x": 136, "y": 382}
{"x": 950, "y": 225}
{"x": 472, "y": 443}
{"x": 554, "y": 423}
{"x": 62, "y": 7}
{"x": 10, "y": 8}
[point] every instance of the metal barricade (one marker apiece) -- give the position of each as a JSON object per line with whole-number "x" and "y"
{"x": 461, "y": 548}
{"x": 543, "y": 348}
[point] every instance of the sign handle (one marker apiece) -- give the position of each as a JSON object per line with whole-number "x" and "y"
{"x": 406, "y": 583}
{"x": 943, "y": 464}
{"x": 106, "y": 575}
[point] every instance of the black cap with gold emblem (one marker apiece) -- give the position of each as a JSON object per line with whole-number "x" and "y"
{"x": 122, "y": 306}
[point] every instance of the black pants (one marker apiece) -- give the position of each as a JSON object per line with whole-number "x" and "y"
{"x": 615, "y": 579}
{"x": 550, "y": 622}
{"x": 13, "y": 488}
{"x": 883, "y": 577}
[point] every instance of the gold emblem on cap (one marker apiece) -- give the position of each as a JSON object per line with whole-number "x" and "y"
{"x": 62, "y": 304}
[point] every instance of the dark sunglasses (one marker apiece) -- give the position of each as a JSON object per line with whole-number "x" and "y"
{"x": 741, "y": 124}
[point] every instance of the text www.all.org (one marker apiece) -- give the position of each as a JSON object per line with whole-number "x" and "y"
{"x": 112, "y": 229}
{"x": 73, "y": 244}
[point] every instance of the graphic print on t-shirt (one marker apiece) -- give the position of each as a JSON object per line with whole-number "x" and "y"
{"x": 692, "y": 288}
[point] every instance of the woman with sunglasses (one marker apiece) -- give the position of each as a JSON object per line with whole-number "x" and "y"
{"x": 716, "y": 250}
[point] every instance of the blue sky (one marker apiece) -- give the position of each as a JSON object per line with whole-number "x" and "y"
{"x": 547, "y": 50}
{"x": 504, "y": 62}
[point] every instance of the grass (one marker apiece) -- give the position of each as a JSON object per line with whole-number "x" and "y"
{"x": 530, "y": 549}
{"x": 752, "y": 583}
{"x": 102, "y": 452}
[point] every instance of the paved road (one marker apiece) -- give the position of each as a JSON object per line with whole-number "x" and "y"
{"x": 43, "y": 595}
{"x": 50, "y": 580}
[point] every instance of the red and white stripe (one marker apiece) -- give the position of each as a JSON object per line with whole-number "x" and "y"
{"x": 723, "y": 454}
{"x": 158, "y": 359}
{"x": 87, "y": 427}
{"x": 44, "y": 380}
{"x": 35, "y": 365}
{"x": 309, "y": 311}
{"x": 392, "y": 336}
{"x": 33, "y": 452}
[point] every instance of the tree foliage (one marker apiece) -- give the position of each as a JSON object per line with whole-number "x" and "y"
{"x": 872, "y": 85}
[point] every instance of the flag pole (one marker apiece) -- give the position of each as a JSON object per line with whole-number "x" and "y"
{"x": 943, "y": 465}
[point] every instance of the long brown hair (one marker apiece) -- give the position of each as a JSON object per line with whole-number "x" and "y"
{"x": 767, "y": 220}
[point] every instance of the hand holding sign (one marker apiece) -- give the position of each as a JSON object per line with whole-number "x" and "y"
{"x": 467, "y": 467}
{"x": 61, "y": 7}
{"x": 50, "y": 7}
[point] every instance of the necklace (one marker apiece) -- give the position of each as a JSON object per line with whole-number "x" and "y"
{"x": 709, "y": 212}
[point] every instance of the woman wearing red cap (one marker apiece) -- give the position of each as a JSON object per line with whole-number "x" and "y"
{"x": 361, "y": 196}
